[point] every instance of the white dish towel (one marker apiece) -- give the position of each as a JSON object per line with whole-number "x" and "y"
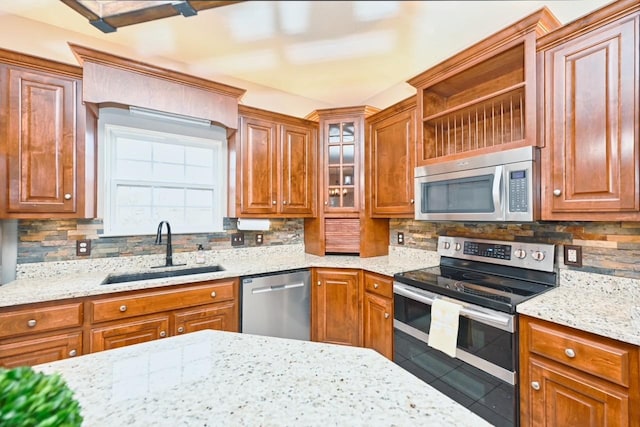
{"x": 443, "y": 332}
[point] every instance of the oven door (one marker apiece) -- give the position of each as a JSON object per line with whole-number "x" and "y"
{"x": 482, "y": 376}
{"x": 475, "y": 194}
{"x": 485, "y": 337}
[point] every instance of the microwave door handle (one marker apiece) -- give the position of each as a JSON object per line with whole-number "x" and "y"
{"x": 497, "y": 191}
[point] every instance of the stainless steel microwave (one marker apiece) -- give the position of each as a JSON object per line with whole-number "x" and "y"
{"x": 501, "y": 186}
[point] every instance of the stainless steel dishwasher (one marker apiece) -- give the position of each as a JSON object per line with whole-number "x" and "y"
{"x": 277, "y": 304}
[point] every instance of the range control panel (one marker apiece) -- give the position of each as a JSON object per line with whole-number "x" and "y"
{"x": 535, "y": 256}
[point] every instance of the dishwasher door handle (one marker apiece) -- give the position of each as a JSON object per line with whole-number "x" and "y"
{"x": 275, "y": 288}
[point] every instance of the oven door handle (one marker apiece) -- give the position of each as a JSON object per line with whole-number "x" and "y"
{"x": 428, "y": 298}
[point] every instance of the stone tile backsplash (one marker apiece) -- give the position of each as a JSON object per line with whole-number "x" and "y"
{"x": 607, "y": 247}
{"x": 55, "y": 240}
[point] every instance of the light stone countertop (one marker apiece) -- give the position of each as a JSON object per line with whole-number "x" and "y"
{"x": 228, "y": 379}
{"x": 596, "y": 303}
{"x": 51, "y": 281}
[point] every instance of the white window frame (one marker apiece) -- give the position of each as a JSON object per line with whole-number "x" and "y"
{"x": 116, "y": 123}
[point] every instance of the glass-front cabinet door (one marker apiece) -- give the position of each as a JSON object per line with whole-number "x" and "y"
{"x": 342, "y": 171}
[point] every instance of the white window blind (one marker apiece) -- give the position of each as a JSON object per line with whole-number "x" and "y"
{"x": 152, "y": 176}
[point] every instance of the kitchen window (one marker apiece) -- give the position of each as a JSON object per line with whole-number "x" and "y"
{"x": 157, "y": 168}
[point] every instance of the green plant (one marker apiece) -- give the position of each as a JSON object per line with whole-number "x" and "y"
{"x": 34, "y": 399}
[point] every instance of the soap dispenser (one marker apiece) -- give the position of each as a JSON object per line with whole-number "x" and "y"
{"x": 200, "y": 255}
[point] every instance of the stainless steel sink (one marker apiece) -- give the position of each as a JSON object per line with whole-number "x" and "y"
{"x": 133, "y": 277}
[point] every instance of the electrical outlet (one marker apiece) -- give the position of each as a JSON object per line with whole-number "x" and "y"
{"x": 259, "y": 239}
{"x": 400, "y": 238}
{"x": 237, "y": 239}
{"x": 573, "y": 255}
{"x": 83, "y": 247}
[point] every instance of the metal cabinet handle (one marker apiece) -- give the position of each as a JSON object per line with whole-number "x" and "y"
{"x": 213, "y": 294}
{"x": 376, "y": 286}
{"x": 326, "y": 203}
{"x": 123, "y": 308}
{"x": 570, "y": 353}
{"x": 273, "y": 202}
{"x": 31, "y": 323}
{"x": 180, "y": 329}
{"x": 557, "y": 192}
{"x": 319, "y": 282}
{"x": 535, "y": 385}
{"x": 284, "y": 202}
{"x": 73, "y": 353}
{"x": 412, "y": 201}
{"x": 386, "y": 315}
{"x": 163, "y": 334}
{"x": 67, "y": 196}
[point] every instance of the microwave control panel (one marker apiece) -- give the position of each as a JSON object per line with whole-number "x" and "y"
{"x": 518, "y": 191}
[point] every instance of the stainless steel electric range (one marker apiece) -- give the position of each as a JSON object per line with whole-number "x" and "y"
{"x": 488, "y": 278}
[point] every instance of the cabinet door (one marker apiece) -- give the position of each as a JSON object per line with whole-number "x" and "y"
{"x": 392, "y": 165}
{"x": 41, "y": 350}
{"x": 127, "y": 333}
{"x": 259, "y": 178}
{"x": 220, "y": 317}
{"x": 41, "y": 143}
{"x": 342, "y": 145}
{"x": 336, "y": 309}
{"x": 560, "y": 397}
{"x": 378, "y": 324}
{"x": 298, "y": 174}
{"x": 591, "y": 107}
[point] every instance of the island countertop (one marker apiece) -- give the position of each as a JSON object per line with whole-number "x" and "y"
{"x": 221, "y": 378}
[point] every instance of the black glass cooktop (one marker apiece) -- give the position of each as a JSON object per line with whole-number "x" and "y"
{"x": 498, "y": 287}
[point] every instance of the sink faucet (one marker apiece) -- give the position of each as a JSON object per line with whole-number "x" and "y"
{"x": 169, "y": 258}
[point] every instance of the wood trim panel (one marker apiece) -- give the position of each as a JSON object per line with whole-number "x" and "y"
{"x": 113, "y": 79}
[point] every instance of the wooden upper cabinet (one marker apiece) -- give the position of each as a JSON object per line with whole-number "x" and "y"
{"x": 484, "y": 98}
{"x": 277, "y": 173}
{"x": 591, "y": 104}
{"x": 390, "y": 151}
{"x": 47, "y": 152}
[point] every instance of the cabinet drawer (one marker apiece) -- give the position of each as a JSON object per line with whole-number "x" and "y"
{"x": 41, "y": 350}
{"x": 377, "y": 284}
{"x": 594, "y": 355}
{"x": 32, "y": 320}
{"x": 122, "y": 307}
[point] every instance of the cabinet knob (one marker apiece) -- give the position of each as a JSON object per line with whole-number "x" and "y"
{"x": 535, "y": 385}
{"x": 284, "y": 202}
{"x": 123, "y": 308}
{"x": 31, "y": 323}
{"x": 73, "y": 353}
{"x": 163, "y": 334}
{"x": 319, "y": 282}
{"x": 557, "y": 192}
{"x": 326, "y": 203}
{"x": 386, "y": 315}
{"x": 213, "y": 294}
{"x": 376, "y": 286}
{"x": 273, "y": 202}
{"x": 180, "y": 329}
{"x": 570, "y": 353}
{"x": 412, "y": 201}
{"x": 67, "y": 196}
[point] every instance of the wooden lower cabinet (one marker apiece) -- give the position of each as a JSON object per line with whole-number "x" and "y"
{"x": 121, "y": 320}
{"x": 573, "y": 378}
{"x": 335, "y": 312}
{"x": 43, "y": 349}
{"x": 220, "y": 317}
{"x": 131, "y": 332}
{"x": 377, "y": 323}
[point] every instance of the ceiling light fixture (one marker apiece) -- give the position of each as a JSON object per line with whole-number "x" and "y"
{"x": 109, "y": 15}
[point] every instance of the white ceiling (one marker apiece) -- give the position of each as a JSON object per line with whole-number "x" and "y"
{"x": 290, "y": 56}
